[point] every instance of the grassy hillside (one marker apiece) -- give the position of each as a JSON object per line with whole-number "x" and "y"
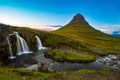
{"x": 78, "y": 29}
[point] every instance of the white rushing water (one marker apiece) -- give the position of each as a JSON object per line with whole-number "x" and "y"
{"x": 10, "y": 49}
{"x": 22, "y": 47}
{"x": 39, "y": 43}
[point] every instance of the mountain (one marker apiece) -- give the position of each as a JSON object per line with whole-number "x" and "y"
{"x": 79, "y": 29}
{"x": 116, "y": 33}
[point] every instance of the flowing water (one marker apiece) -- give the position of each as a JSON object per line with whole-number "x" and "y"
{"x": 22, "y": 47}
{"x": 39, "y": 43}
{"x": 10, "y": 49}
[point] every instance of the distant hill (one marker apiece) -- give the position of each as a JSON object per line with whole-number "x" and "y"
{"x": 79, "y": 29}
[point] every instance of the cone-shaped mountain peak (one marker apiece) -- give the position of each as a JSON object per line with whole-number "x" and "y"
{"x": 77, "y": 25}
{"x": 78, "y": 19}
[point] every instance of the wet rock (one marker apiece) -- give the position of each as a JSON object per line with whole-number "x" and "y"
{"x": 43, "y": 67}
{"x": 112, "y": 57}
{"x": 110, "y": 60}
{"x": 118, "y": 63}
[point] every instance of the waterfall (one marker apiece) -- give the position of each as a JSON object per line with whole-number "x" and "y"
{"x": 22, "y": 47}
{"x": 10, "y": 49}
{"x": 39, "y": 43}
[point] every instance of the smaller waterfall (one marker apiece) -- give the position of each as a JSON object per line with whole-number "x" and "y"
{"x": 10, "y": 49}
{"x": 39, "y": 43}
{"x": 22, "y": 47}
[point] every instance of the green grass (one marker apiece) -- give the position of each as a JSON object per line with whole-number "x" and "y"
{"x": 60, "y": 55}
{"x": 20, "y": 74}
{"x": 86, "y": 74}
{"x": 58, "y": 41}
{"x": 83, "y": 74}
{"x": 85, "y": 71}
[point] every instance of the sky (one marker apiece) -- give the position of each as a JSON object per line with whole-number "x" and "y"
{"x": 51, "y": 14}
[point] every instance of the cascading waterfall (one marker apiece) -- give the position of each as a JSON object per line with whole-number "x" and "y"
{"x": 22, "y": 47}
{"x": 39, "y": 43}
{"x": 10, "y": 49}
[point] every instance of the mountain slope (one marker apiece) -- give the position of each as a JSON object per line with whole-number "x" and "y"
{"x": 79, "y": 29}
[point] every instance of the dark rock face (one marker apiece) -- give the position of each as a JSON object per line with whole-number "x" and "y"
{"x": 78, "y": 19}
{"x": 3, "y": 49}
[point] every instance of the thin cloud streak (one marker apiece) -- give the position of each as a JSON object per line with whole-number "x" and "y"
{"x": 47, "y": 28}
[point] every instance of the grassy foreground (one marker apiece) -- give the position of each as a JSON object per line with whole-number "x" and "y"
{"x": 60, "y": 55}
{"x": 19, "y": 74}
{"x": 84, "y": 74}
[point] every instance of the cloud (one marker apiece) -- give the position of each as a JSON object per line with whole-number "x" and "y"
{"x": 47, "y": 28}
{"x": 109, "y": 29}
{"x": 53, "y": 25}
